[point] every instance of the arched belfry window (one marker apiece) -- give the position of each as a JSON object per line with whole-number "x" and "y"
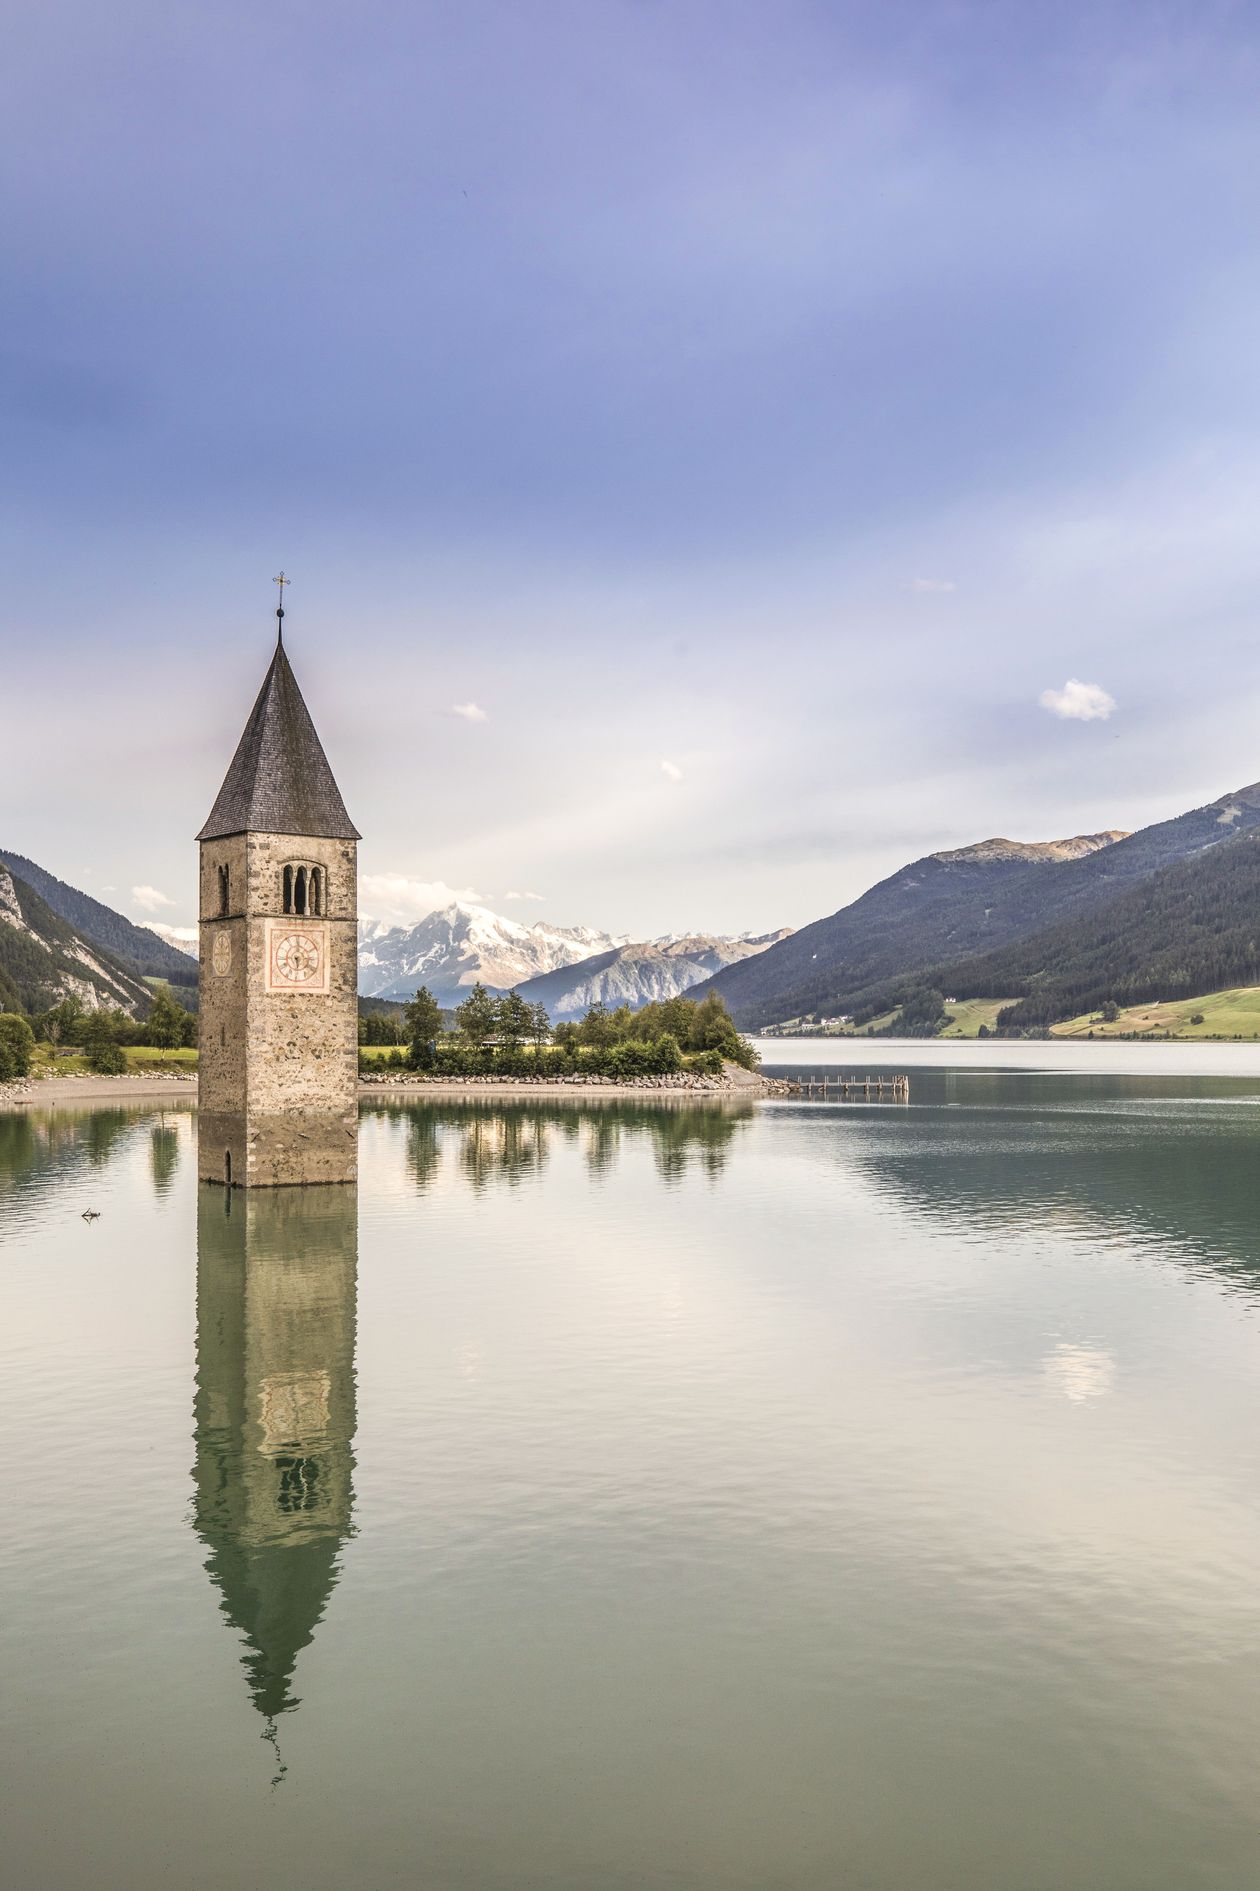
{"x": 223, "y": 891}
{"x": 303, "y": 891}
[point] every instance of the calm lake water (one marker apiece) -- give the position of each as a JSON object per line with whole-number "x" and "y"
{"x": 802, "y": 1495}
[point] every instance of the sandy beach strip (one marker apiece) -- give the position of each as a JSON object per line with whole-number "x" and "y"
{"x": 86, "y": 1089}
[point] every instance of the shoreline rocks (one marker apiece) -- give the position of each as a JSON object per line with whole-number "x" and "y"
{"x": 734, "y": 1081}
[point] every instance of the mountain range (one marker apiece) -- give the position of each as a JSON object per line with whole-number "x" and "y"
{"x": 1007, "y": 919}
{"x": 1052, "y": 927}
{"x": 567, "y": 968}
{"x": 639, "y": 974}
{"x": 461, "y": 945}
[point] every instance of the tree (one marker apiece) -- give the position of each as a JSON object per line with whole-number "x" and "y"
{"x": 381, "y": 1027}
{"x": 598, "y": 1028}
{"x": 477, "y": 1017}
{"x": 422, "y": 1019}
{"x": 104, "y": 1053}
{"x": 922, "y": 1014}
{"x": 59, "y": 1023}
{"x": 164, "y": 1026}
{"x": 539, "y": 1028}
{"x": 1110, "y": 1012}
{"x": 514, "y": 1020}
{"x": 17, "y": 1040}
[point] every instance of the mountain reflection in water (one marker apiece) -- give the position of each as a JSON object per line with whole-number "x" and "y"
{"x": 1172, "y": 1174}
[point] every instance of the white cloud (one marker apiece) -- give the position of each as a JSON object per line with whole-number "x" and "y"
{"x": 524, "y": 896}
{"x": 173, "y": 935}
{"x": 1078, "y": 702}
{"x": 471, "y": 712}
{"x": 149, "y": 897}
{"x": 395, "y": 900}
{"x": 931, "y": 585}
{"x": 671, "y": 771}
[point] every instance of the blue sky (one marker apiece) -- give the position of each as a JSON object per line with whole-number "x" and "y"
{"x": 754, "y": 411}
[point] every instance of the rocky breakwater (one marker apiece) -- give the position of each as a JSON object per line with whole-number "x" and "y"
{"x": 734, "y": 1081}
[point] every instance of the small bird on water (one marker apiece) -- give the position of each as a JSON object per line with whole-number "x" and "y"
{"x": 91, "y": 1214}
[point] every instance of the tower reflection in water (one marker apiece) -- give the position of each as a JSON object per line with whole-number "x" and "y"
{"x": 275, "y": 1415}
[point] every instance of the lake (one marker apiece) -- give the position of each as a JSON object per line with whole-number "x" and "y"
{"x": 632, "y": 1495}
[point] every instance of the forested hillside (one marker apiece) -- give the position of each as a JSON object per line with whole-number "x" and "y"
{"x": 941, "y": 906}
{"x": 952, "y": 907}
{"x": 43, "y": 959}
{"x": 1192, "y": 928}
{"x": 134, "y": 947}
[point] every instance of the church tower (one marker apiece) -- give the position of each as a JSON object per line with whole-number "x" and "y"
{"x": 278, "y": 1054}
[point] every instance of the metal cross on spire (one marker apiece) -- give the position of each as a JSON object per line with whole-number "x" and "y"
{"x": 281, "y": 581}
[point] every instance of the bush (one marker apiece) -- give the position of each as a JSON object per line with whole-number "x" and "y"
{"x": 1197, "y": 1017}
{"x": 104, "y": 1053}
{"x": 704, "y": 1063}
{"x": 630, "y": 1059}
{"x": 397, "y": 1059}
{"x": 668, "y": 1054}
{"x": 107, "y": 1059}
{"x": 17, "y": 1040}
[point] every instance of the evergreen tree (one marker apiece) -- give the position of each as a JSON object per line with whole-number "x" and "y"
{"x": 513, "y": 1021}
{"x": 422, "y": 1019}
{"x": 598, "y": 1028}
{"x": 477, "y": 1017}
{"x": 539, "y": 1028}
{"x": 164, "y": 1026}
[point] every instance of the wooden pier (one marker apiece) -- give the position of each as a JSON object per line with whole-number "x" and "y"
{"x": 846, "y": 1089}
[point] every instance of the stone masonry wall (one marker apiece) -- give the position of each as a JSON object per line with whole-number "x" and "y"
{"x": 222, "y": 1020}
{"x": 282, "y": 1091}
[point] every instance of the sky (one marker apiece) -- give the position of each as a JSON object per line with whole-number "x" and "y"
{"x": 721, "y": 451}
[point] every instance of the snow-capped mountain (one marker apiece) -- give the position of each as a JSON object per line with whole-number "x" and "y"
{"x": 638, "y": 974}
{"x": 454, "y": 948}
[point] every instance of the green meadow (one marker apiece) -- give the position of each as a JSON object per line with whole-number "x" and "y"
{"x": 1222, "y": 1014}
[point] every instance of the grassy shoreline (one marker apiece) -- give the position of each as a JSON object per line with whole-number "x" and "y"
{"x": 1222, "y": 1017}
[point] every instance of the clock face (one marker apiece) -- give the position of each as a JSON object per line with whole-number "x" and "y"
{"x": 297, "y": 958}
{"x": 221, "y": 956}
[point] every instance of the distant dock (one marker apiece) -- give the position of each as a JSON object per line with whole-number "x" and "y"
{"x": 848, "y": 1089}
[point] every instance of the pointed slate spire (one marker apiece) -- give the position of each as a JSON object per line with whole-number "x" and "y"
{"x": 279, "y": 781}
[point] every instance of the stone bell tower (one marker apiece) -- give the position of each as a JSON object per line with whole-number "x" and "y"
{"x": 278, "y": 1058}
